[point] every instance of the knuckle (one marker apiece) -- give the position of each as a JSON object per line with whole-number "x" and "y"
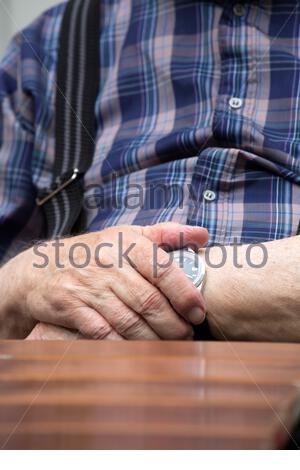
{"x": 152, "y": 301}
{"x": 163, "y": 272}
{"x": 61, "y": 295}
{"x": 128, "y": 324}
{"x": 99, "y": 331}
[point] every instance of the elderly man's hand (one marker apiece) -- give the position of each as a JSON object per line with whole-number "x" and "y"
{"x": 138, "y": 295}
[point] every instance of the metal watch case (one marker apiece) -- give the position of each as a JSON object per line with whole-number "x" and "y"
{"x": 192, "y": 264}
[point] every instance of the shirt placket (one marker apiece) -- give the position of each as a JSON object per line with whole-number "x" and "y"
{"x": 232, "y": 121}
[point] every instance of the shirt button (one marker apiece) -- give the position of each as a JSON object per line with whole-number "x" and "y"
{"x": 239, "y": 9}
{"x": 209, "y": 195}
{"x": 235, "y": 103}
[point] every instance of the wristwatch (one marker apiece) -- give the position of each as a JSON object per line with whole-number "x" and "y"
{"x": 192, "y": 264}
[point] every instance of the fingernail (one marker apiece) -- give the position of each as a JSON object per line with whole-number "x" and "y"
{"x": 196, "y": 316}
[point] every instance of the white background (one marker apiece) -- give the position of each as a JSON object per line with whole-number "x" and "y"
{"x": 15, "y": 14}
{"x": 151, "y": 460}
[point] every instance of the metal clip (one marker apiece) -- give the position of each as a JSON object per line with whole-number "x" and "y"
{"x": 41, "y": 202}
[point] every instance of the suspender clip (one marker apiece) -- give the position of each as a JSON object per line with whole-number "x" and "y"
{"x": 50, "y": 194}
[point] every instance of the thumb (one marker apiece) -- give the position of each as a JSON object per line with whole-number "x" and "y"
{"x": 176, "y": 235}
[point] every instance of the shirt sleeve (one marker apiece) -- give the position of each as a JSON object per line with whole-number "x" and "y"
{"x": 20, "y": 222}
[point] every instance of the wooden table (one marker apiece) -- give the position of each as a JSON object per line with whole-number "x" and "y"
{"x": 102, "y": 395}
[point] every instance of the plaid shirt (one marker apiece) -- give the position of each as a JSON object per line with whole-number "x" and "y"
{"x": 198, "y": 120}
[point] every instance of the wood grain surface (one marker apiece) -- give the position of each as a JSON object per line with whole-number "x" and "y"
{"x": 125, "y": 395}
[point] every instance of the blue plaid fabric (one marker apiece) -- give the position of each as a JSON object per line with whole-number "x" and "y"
{"x": 198, "y": 120}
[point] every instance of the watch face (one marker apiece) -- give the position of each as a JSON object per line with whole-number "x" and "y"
{"x": 192, "y": 265}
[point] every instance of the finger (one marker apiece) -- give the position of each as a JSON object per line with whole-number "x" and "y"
{"x": 43, "y": 331}
{"x": 155, "y": 265}
{"x": 123, "y": 319}
{"x": 175, "y": 235}
{"x": 92, "y": 324}
{"x": 149, "y": 303}
{"x": 74, "y": 315}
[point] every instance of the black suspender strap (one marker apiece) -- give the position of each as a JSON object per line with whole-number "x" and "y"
{"x": 78, "y": 74}
{"x": 298, "y": 231}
